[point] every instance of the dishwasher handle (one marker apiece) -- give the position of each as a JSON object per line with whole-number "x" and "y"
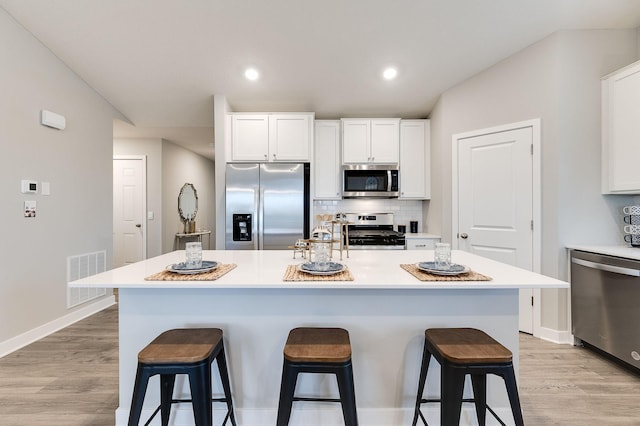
{"x": 605, "y": 267}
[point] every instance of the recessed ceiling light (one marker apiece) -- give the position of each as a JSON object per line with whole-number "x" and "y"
{"x": 390, "y": 73}
{"x": 252, "y": 74}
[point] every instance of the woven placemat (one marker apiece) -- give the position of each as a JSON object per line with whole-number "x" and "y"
{"x": 425, "y": 276}
{"x": 293, "y": 274}
{"x": 205, "y": 276}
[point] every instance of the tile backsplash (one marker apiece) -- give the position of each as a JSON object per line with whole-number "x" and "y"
{"x": 403, "y": 211}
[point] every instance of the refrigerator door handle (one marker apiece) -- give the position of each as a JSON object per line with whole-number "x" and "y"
{"x": 260, "y": 215}
{"x": 607, "y": 268}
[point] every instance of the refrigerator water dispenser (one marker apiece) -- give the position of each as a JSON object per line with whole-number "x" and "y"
{"x": 242, "y": 227}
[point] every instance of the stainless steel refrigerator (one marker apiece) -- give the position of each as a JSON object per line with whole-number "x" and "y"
{"x": 267, "y": 205}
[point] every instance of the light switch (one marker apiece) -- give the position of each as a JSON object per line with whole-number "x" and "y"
{"x": 150, "y": 215}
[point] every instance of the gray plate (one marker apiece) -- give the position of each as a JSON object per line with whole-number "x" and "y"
{"x": 312, "y": 268}
{"x": 430, "y": 267}
{"x": 182, "y": 268}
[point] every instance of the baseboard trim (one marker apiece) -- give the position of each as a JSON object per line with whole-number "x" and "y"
{"x": 26, "y": 338}
{"x": 555, "y": 336}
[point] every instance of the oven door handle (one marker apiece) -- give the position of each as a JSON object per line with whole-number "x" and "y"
{"x": 608, "y": 268}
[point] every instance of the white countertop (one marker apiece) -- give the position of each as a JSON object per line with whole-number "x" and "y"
{"x": 409, "y": 235}
{"x": 625, "y": 251}
{"x": 375, "y": 269}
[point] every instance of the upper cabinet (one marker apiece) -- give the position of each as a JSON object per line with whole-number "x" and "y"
{"x": 370, "y": 140}
{"x": 415, "y": 148}
{"x": 271, "y": 137}
{"x": 326, "y": 160}
{"x": 621, "y": 131}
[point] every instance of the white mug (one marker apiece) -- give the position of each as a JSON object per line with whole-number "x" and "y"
{"x": 632, "y": 229}
{"x": 631, "y": 209}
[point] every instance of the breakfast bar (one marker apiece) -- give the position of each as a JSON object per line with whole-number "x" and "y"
{"x": 258, "y": 297}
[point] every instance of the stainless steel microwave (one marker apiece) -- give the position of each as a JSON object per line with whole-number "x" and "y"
{"x": 369, "y": 181}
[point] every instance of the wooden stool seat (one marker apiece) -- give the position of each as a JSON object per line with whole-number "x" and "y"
{"x": 317, "y": 350}
{"x": 318, "y": 345}
{"x": 467, "y": 346}
{"x": 461, "y": 352}
{"x": 181, "y": 346}
{"x": 189, "y": 351}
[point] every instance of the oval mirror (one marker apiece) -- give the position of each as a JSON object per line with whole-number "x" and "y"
{"x": 188, "y": 202}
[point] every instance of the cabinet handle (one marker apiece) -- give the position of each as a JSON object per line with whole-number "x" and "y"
{"x": 421, "y": 245}
{"x": 265, "y": 156}
{"x": 274, "y": 156}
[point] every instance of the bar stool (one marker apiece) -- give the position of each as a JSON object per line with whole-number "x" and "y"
{"x": 188, "y": 351}
{"x": 462, "y": 351}
{"x": 317, "y": 350}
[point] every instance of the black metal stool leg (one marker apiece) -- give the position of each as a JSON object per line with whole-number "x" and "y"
{"x": 167, "y": 382}
{"x": 347, "y": 395}
{"x": 451, "y": 387}
{"x": 479, "y": 382}
{"x": 139, "y": 391}
{"x": 224, "y": 377}
{"x": 514, "y": 399}
{"x": 287, "y": 389}
{"x": 200, "y": 383}
{"x": 426, "y": 357}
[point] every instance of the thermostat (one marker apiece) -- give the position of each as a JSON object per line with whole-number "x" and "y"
{"x": 29, "y": 187}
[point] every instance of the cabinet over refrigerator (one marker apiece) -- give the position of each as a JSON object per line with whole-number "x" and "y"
{"x": 267, "y": 205}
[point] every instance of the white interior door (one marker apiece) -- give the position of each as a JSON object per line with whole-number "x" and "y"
{"x": 129, "y": 210}
{"x": 495, "y": 201}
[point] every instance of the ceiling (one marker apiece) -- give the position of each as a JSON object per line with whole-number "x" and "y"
{"x": 159, "y": 62}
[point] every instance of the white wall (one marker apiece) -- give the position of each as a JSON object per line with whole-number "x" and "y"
{"x": 152, "y": 149}
{"x": 557, "y": 80}
{"x": 77, "y": 217}
{"x": 180, "y": 166}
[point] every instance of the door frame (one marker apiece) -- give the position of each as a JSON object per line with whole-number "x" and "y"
{"x": 535, "y": 125}
{"x": 143, "y": 204}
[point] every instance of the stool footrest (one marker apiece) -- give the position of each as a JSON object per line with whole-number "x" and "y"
{"x": 301, "y": 398}
{"x": 178, "y": 401}
{"x": 438, "y": 400}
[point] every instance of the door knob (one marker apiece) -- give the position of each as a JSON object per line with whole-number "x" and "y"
{"x": 138, "y": 225}
{"x": 464, "y": 236}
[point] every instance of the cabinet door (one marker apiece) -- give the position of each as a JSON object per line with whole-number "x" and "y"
{"x": 621, "y": 131}
{"x": 356, "y": 141}
{"x": 326, "y": 161}
{"x": 414, "y": 159}
{"x": 385, "y": 135}
{"x": 249, "y": 137}
{"x": 290, "y": 137}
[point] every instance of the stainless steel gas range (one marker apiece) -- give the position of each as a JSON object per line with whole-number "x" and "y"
{"x": 373, "y": 231}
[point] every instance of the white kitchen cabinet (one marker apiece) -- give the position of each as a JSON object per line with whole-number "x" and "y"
{"x": 621, "y": 131}
{"x": 421, "y": 241}
{"x": 374, "y": 141}
{"x": 326, "y": 160}
{"x": 271, "y": 137}
{"x": 414, "y": 165}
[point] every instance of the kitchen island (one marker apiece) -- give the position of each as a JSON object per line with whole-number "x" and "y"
{"x": 385, "y": 309}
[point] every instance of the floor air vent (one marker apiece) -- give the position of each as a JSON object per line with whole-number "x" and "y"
{"x": 81, "y": 266}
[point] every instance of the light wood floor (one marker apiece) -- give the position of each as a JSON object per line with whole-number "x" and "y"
{"x": 71, "y": 379}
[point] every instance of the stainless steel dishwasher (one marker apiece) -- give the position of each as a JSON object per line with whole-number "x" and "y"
{"x": 605, "y": 304}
